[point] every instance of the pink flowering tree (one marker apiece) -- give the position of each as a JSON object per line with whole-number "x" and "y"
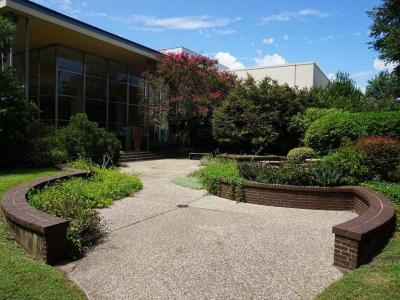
{"x": 195, "y": 87}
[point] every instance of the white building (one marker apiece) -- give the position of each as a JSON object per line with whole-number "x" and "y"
{"x": 178, "y": 50}
{"x": 301, "y": 75}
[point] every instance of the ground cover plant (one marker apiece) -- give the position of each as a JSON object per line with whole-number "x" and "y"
{"x": 23, "y": 277}
{"x": 77, "y": 199}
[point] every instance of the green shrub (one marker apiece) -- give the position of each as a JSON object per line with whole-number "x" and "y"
{"x": 302, "y": 121}
{"x": 85, "y": 223}
{"x": 300, "y": 154}
{"x": 76, "y": 199}
{"x": 350, "y": 162}
{"x": 211, "y": 175}
{"x": 83, "y": 138}
{"x": 287, "y": 173}
{"x": 329, "y": 132}
{"x": 321, "y": 173}
{"x": 391, "y": 190}
{"x": 382, "y": 155}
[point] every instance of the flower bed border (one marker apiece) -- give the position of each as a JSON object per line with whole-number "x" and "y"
{"x": 42, "y": 235}
{"x": 357, "y": 241}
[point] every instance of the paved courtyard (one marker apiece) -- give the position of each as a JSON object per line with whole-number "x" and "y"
{"x": 213, "y": 249}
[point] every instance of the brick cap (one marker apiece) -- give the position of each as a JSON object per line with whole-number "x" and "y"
{"x": 19, "y": 211}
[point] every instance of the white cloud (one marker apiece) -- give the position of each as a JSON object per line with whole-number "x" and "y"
{"x": 268, "y": 41}
{"x": 381, "y": 65}
{"x": 182, "y": 23}
{"x": 227, "y": 59}
{"x": 270, "y": 60}
{"x": 331, "y": 76}
{"x": 286, "y": 37}
{"x": 327, "y": 38}
{"x": 303, "y": 14}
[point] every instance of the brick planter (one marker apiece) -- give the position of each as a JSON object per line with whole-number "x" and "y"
{"x": 42, "y": 235}
{"x": 356, "y": 241}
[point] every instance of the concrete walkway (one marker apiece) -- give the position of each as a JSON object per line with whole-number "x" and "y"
{"x": 214, "y": 249}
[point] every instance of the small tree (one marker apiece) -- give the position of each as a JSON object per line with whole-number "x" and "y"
{"x": 17, "y": 114}
{"x": 195, "y": 88}
{"x": 386, "y": 31}
{"x": 255, "y": 117}
{"x": 383, "y": 91}
{"x": 342, "y": 93}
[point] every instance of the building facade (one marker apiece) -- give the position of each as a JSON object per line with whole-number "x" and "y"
{"x": 68, "y": 67}
{"x": 300, "y": 75}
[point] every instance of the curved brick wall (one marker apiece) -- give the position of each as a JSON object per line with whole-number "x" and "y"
{"x": 42, "y": 235}
{"x": 356, "y": 241}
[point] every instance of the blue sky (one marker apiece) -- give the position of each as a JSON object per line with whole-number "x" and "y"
{"x": 249, "y": 33}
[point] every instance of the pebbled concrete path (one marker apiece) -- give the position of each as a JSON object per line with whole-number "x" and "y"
{"x": 214, "y": 249}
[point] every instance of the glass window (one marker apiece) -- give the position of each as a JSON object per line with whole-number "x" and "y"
{"x": 19, "y": 66}
{"x": 117, "y": 92}
{"x": 47, "y": 71}
{"x": 96, "y": 88}
{"x": 33, "y": 73}
{"x": 136, "y": 95}
{"x": 70, "y": 60}
{"x": 117, "y": 114}
{"x": 96, "y": 111}
{"x": 118, "y": 71}
{"x": 69, "y": 106}
{"x": 135, "y": 79}
{"x": 70, "y": 84}
{"x": 47, "y": 107}
{"x": 136, "y": 115}
{"x": 96, "y": 66}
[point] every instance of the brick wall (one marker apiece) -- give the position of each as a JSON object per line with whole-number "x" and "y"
{"x": 356, "y": 241}
{"x": 42, "y": 235}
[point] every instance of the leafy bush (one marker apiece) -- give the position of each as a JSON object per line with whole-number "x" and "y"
{"x": 255, "y": 115}
{"x": 76, "y": 200}
{"x": 351, "y": 163}
{"x": 211, "y": 175}
{"x": 382, "y": 154}
{"x": 83, "y": 138}
{"x": 302, "y": 121}
{"x": 300, "y": 154}
{"x": 329, "y": 132}
{"x": 17, "y": 117}
{"x": 321, "y": 173}
{"x": 85, "y": 223}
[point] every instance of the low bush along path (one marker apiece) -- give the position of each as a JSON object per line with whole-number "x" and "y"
{"x": 214, "y": 248}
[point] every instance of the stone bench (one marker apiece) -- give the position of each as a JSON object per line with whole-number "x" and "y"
{"x": 357, "y": 241}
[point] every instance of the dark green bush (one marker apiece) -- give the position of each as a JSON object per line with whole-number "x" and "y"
{"x": 351, "y": 163}
{"x": 76, "y": 200}
{"x": 329, "y": 132}
{"x": 300, "y": 154}
{"x": 85, "y": 223}
{"x": 17, "y": 121}
{"x": 83, "y": 138}
{"x": 321, "y": 173}
{"x": 381, "y": 155}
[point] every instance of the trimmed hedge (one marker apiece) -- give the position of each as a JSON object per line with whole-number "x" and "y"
{"x": 329, "y": 132}
{"x": 300, "y": 154}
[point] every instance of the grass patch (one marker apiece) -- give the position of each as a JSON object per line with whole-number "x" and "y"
{"x": 381, "y": 278}
{"x": 77, "y": 199}
{"x": 22, "y": 277}
{"x": 188, "y": 181}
